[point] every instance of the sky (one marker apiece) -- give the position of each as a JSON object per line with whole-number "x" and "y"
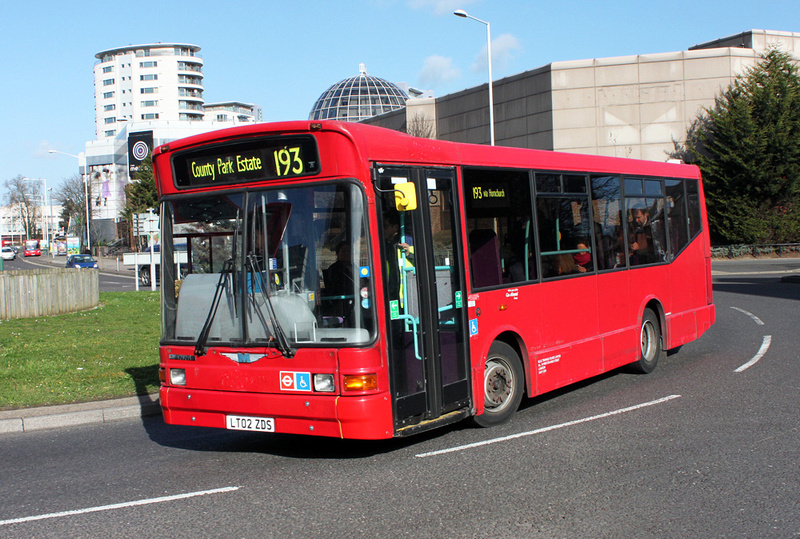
{"x": 283, "y": 54}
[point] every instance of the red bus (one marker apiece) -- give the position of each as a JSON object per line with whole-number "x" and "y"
{"x": 32, "y": 248}
{"x": 344, "y": 280}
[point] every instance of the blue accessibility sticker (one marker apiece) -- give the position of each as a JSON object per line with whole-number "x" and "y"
{"x": 473, "y": 327}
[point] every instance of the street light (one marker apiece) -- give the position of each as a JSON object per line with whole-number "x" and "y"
{"x": 464, "y": 14}
{"x": 85, "y": 193}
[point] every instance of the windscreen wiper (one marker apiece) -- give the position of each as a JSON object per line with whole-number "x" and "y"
{"x": 281, "y": 341}
{"x": 224, "y": 275}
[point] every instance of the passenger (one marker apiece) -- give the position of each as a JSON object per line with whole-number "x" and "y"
{"x": 641, "y": 237}
{"x": 339, "y": 275}
{"x": 583, "y": 259}
{"x": 564, "y": 264}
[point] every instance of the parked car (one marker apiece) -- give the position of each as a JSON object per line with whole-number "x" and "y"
{"x": 9, "y": 253}
{"x": 81, "y": 261}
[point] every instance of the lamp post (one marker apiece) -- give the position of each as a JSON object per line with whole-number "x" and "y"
{"x": 49, "y": 195}
{"x": 464, "y": 14}
{"x": 85, "y": 193}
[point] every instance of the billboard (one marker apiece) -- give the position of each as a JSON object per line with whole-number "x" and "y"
{"x": 140, "y": 146}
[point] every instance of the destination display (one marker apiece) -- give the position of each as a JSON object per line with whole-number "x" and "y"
{"x": 251, "y": 161}
{"x": 489, "y": 196}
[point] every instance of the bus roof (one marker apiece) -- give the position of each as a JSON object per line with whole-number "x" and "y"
{"x": 378, "y": 144}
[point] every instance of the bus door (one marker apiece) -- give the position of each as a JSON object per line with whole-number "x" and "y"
{"x": 424, "y": 296}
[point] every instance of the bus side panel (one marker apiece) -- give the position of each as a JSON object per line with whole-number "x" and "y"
{"x": 569, "y": 348}
{"x": 617, "y": 319}
{"x": 513, "y": 311}
{"x": 689, "y": 313}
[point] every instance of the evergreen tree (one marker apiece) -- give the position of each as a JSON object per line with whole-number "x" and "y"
{"x": 141, "y": 194}
{"x": 748, "y": 149}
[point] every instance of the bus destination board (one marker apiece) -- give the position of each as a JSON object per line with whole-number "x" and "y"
{"x": 243, "y": 162}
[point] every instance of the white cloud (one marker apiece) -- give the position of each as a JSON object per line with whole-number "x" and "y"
{"x": 43, "y": 150}
{"x": 437, "y": 70}
{"x": 504, "y": 48}
{"x": 440, "y": 7}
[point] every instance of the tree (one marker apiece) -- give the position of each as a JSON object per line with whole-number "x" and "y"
{"x": 72, "y": 197}
{"x": 26, "y": 196}
{"x": 421, "y": 126}
{"x": 140, "y": 195}
{"x": 748, "y": 149}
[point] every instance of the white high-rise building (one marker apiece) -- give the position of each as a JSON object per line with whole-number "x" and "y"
{"x": 145, "y": 95}
{"x": 160, "y": 81}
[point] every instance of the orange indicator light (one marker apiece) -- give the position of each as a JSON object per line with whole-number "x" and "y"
{"x": 360, "y": 382}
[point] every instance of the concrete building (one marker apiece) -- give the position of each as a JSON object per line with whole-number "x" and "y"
{"x": 628, "y": 106}
{"x": 145, "y": 95}
{"x": 13, "y": 218}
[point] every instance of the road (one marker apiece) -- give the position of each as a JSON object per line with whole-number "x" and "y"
{"x": 706, "y": 446}
{"x": 110, "y": 281}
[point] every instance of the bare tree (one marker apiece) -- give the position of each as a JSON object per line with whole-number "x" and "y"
{"x": 72, "y": 198}
{"x": 421, "y": 126}
{"x": 25, "y": 196}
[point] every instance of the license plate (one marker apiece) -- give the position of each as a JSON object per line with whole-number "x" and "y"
{"x": 257, "y": 424}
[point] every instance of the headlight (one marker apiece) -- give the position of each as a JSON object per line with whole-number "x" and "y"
{"x": 324, "y": 383}
{"x": 177, "y": 377}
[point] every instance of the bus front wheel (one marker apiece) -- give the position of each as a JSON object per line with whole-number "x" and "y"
{"x": 503, "y": 385}
{"x": 650, "y": 344}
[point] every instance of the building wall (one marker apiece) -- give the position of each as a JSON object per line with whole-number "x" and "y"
{"x": 631, "y": 106}
{"x": 638, "y": 106}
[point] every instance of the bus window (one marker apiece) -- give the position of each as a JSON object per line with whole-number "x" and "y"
{"x": 607, "y": 211}
{"x": 647, "y": 235}
{"x": 499, "y": 226}
{"x": 695, "y": 211}
{"x": 564, "y": 226}
{"x": 677, "y": 218}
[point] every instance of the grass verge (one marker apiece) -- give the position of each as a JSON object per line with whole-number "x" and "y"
{"x": 107, "y": 352}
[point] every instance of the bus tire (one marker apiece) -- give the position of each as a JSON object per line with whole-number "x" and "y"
{"x": 503, "y": 385}
{"x": 650, "y": 349}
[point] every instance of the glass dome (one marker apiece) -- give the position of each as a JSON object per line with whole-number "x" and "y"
{"x": 358, "y": 98}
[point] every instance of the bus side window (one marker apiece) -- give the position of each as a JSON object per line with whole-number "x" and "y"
{"x": 607, "y": 210}
{"x": 678, "y": 219}
{"x": 562, "y": 213}
{"x": 499, "y": 226}
{"x": 695, "y": 212}
{"x": 647, "y": 231}
{"x": 484, "y": 252}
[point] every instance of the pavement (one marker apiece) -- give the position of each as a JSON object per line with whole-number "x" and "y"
{"x": 50, "y": 417}
{"x": 70, "y": 415}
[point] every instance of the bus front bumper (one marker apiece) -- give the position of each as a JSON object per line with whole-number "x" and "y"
{"x": 367, "y": 417}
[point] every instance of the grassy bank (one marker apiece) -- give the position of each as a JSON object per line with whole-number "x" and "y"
{"x": 110, "y": 351}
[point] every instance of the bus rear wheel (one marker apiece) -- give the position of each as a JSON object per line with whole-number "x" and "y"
{"x": 650, "y": 349}
{"x": 503, "y": 385}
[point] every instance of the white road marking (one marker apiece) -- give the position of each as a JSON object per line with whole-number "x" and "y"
{"x": 118, "y": 505}
{"x": 756, "y": 319}
{"x": 761, "y": 351}
{"x": 764, "y": 344}
{"x": 547, "y": 429}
